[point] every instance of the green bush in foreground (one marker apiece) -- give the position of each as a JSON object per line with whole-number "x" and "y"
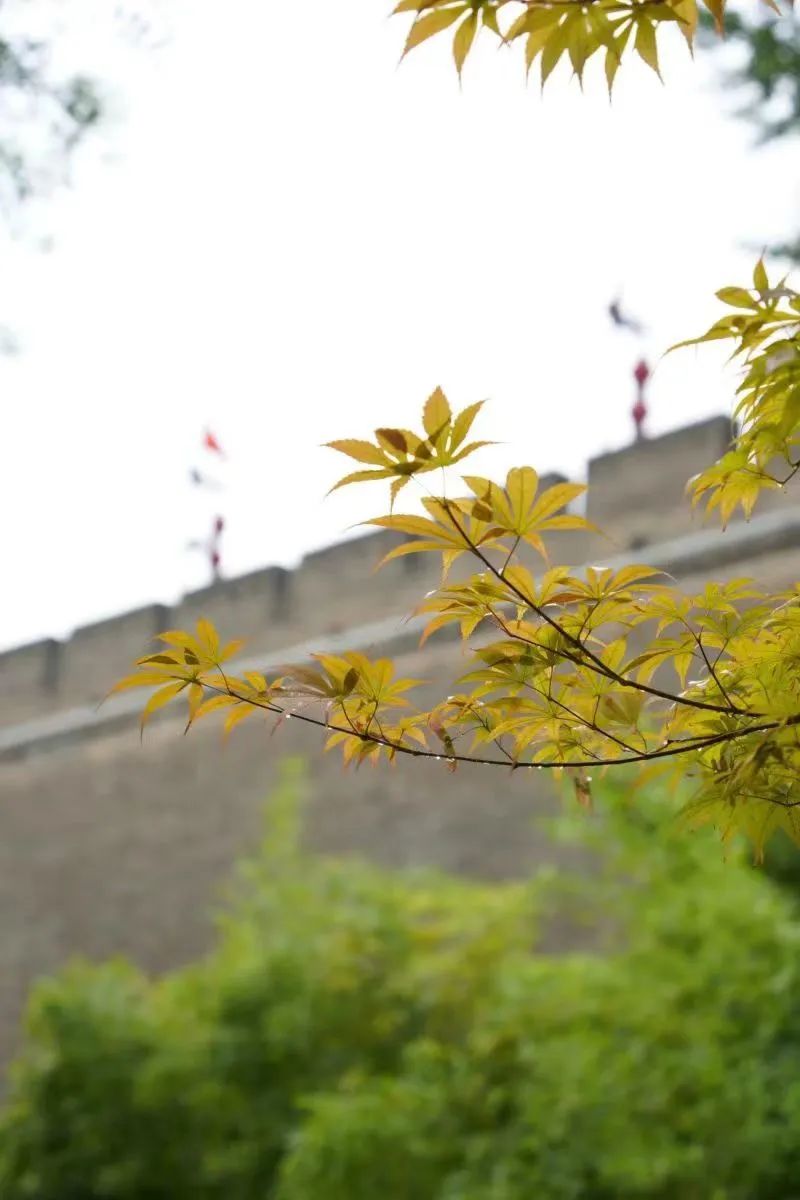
{"x": 360, "y": 1035}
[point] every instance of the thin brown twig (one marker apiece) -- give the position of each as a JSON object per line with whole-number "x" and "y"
{"x": 589, "y": 722}
{"x": 702, "y": 742}
{"x": 592, "y": 660}
{"x": 698, "y": 637}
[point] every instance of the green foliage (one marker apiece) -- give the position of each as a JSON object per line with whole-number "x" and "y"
{"x": 59, "y": 110}
{"x": 770, "y": 70}
{"x": 769, "y": 77}
{"x": 357, "y": 1033}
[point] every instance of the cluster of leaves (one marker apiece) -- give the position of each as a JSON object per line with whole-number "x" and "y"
{"x": 554, "y": 30}
{"x": 357, "y": 1034}
{"x": 765, "y": 455}
{"x": 569, "y": 669}
{"x": 400, "y": 455}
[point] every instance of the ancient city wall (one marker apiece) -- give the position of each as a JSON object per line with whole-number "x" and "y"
{"x": 111, "y": 845}
{"x": 636, "y": 495}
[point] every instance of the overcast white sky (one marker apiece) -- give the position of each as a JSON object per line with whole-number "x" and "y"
{"x": 285, "y": 236}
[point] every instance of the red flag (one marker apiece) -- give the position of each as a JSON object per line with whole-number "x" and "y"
{"x": 211, "y": 443}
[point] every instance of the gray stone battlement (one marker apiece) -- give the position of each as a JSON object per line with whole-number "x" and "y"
{"x": 692, "y": 554}
{"x": 636, "y": 495}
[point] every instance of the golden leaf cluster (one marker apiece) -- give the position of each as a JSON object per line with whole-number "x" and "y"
{"x": 765, "y": 329}
{"x": 568, "y": 669}
{"x": 551, "y": 31}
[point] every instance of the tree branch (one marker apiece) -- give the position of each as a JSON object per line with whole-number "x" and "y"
{"x": 690, "y": 745}
{"x": 590, "y": 659}
{"x": 698, "y": 637}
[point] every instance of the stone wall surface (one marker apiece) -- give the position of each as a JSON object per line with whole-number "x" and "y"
{"x": 111, "y": 845}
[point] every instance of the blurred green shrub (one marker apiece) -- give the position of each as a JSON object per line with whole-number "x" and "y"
{"x": 360, "y": 1035}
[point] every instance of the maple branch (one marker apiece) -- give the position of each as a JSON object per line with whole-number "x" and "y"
{"x": 585, "y": 721}
{"x": 512, "y": 551}
{"x": 687, "y": 746}
{"x": 590, "y": 660}
{"x": 487, "y": 729}
{"x": 631, "y": 6}
{"x": 589, "y": 722}
{"x": 795, "y": 467}
{"x": 698, "y": 637}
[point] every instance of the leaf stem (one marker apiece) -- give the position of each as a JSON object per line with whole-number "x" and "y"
{"x": 689, "y": 745}
{"x": 589, "y": 658}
